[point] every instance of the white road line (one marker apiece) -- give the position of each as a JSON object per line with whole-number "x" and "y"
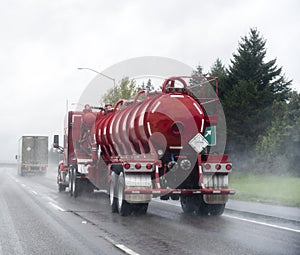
{"x": 34, "y": 192}
{"x": 57, "y": 207}
{"x": 246, "y": 220}
{"x": 50, "y": 199}
{"x": 122, "y": 247}
{"x": 126, "y": 249}
{"x": 262, "y": 223}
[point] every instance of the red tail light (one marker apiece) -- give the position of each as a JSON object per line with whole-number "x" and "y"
{"x": 207, "y": 166}
{"x": 127, "y": 166}
{"x": 149, "y": 166}
{"x": 218, "y": 166}
{"x": 138, "y": 166}
{"x": 228, "y": 167}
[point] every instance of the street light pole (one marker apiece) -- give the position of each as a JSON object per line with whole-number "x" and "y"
{"x": 106, "y": 76}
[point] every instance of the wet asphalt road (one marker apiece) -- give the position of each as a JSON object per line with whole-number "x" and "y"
{"x": 36, "y": 219}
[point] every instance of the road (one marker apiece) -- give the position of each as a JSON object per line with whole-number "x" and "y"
{"x": 36, "y": 219}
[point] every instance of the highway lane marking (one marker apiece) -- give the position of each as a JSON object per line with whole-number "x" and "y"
{"x": 56, "y": 207}
{"x": 122, "y": 247}
{"x": 262, "y": 223}
{"x": 243, "y": 219}
{"x": 34, "y": 192}
{"x": 50, "y": 199}
{"x": 25, "y": 186}
{"x": 126, "y": 249}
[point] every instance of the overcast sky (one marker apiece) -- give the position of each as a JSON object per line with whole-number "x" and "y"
{"x": 43, "y": 42}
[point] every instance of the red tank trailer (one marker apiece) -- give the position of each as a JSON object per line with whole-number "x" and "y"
{"x": 153, "y": 146}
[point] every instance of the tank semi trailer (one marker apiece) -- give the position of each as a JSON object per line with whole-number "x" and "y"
{"x": 153, "y": 146}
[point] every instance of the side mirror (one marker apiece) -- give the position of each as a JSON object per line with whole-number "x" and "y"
{"x": 56, "y": 141}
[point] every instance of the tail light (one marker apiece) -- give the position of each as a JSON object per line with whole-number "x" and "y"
{"x": 207, "y": 166}
{"x": 149, "y": 166}
{"x": 218, "y": 166}
{"x": 228, "y": 167}
{"x": 138, "y": 166}
{"x": 127, "y": 166}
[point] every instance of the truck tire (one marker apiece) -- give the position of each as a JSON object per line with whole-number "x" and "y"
{"x": 140, "y": 209}
{"x": 76, "y": 184}
{"x": 61, "y": 187}
{"x": 42, "y": 172}
{"x": 211, "y": 209}
{"x": 124, "y": 207}
{"x": 113, "y": 192}
{"x": 88, "y": 187}
{"x": 71, "y": 182}
{"x": 189, "y": 204}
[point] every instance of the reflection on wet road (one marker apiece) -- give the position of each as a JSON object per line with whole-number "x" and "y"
{"x": 36, "y": 219}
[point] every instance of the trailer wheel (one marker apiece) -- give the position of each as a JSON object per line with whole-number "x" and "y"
{"x": 189, "y": 204}
{"x": 113, "y": 192}
{"x": 124, "y": 207}
{"x": 22, "y": 173}
{"x": 71, "y": 182}
{"x": 88, "y": 187}
{"x": 73, "y": 185}
{"x": 76, "y": 186}
{"x": 61, "y": 187}
{"x": 211, "y": 209}
{"x": 140, "y": 209}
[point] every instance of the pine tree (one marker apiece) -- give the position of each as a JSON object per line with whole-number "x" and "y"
{"x": 149, "y": 85}
{"x": 142, "y": 87}
{"x": 251, "y": 88}
{"x": 196, "y": 73}
{"x": 219, "y": 70}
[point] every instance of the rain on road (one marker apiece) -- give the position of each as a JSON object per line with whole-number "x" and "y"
{"x": 36, "y": 219}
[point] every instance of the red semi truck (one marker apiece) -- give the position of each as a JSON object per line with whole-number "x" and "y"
{"x": 153, "y": 146}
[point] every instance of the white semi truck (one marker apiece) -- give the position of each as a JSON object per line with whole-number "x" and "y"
{"x": 32, "y": 155}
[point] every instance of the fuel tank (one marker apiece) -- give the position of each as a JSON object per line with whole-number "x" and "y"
{"x": 166, "y": 120}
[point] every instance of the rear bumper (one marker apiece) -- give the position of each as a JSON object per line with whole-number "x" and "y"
{"x": 162, "y": 192}
{"x": 34, "y": 169}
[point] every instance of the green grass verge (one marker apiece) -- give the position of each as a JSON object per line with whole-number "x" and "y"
{"x": 281, "y": 190}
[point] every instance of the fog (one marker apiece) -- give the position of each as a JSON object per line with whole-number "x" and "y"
{"x": 44, "y": 42}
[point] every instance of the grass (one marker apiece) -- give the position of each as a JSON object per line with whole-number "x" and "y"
{"x": 281, "y": 190}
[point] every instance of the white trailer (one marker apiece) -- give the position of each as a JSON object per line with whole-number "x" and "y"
{"x": 32, "y": 155}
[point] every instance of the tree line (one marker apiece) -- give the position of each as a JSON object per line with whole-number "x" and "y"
{"x": 262, "y": 112}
